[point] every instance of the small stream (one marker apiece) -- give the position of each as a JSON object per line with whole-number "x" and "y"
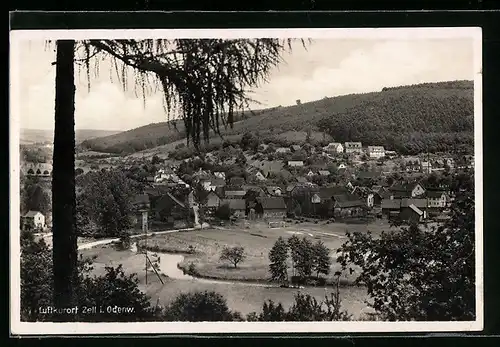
{"x": 168, "y": 263}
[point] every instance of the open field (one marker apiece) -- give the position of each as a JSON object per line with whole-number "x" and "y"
{"x": 203, "y": 247}
{"x": 241, "y": 297}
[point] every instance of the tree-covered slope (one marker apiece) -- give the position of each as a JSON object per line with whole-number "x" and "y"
{"x": 430, "y": 116}
{"x": 433, "y": 117}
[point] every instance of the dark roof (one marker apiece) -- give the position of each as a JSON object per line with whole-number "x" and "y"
{"x": 237, "y": 181}
{"x": 420, "y": 203}
{"x": 218, "y": 182}
{"x": 234, "y": 204}
{"x": 391, "y": 204}
{"x": 31, "y": 214}
{"x": 160, "y": 204}
{"x": 347, "y": 200}
{"x": 141, "y": 199}
{"x": 329, "y": 192}
{"x": 257, "y": 189}
{"x": 434, "y": 193}
{"x": 274, "y": 203}
{"x": 398, "y": 203}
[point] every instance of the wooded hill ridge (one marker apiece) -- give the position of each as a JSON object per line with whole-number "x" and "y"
{"x": 409, "y": 119}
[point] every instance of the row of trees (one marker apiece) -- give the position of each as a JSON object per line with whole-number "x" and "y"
{"x": 306, "y": 259}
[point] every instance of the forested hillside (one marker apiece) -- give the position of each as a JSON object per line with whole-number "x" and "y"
{"x": 409, "y": 119}
{"x": 427, "y": 117}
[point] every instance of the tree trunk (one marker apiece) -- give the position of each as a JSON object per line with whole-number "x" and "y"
{"x": 63, "y": 180}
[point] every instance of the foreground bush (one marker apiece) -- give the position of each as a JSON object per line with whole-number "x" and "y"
{"x": 200, "y": 307}
{"x": 107, "y": 293}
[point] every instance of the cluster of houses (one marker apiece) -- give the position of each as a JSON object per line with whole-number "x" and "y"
{"x": 374, "y": 152}
{"x": 169, "y": 199}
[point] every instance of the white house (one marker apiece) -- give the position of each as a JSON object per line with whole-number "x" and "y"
{"x": 341, "y": 166}
{"x": 426, "y": 166}
{"x": 310, "y": 173}
{"x": 334, "y": 147}
{"x": 436, "y": 199}
{"x": 283, "y": 150}
{"x": 376, "y": 152}
{"x": 296, "y": 163}
{"x": 33, "y": 220}
{"x": 353, "y": 147}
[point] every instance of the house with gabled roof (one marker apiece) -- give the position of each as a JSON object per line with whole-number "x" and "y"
{"x": 324, "y": 173}
{"x": 334, "y": 148}
{"x": 405, "y": 208}
{"x": 33, "y": 220}
{"x": 236, "y": 206}
{"x": 364, "y": 194}
{"x": 437, "y": 198}
{"x": 272, "y": 207}
{"x": 376, "y": 152}
{"x": 407, "y": 190}
{"x": 168, "y": 208}
{"x": 274, "y": 190}
{"x": 353, "y": 147}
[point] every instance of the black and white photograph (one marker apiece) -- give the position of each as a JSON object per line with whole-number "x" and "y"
{"x": 246, "y": 181}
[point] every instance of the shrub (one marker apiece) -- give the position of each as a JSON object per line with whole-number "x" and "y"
{"x": 200, "y": 307}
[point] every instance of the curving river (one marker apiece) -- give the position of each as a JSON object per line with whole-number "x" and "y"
{"x": 168, "y": 265}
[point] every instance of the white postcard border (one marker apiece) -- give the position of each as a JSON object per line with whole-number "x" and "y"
{"x": 43, "y": 328}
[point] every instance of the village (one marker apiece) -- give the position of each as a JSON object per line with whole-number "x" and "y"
{"x": 337, "y": 182}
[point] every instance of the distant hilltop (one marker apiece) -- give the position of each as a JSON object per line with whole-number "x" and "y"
{"x": 429, "y": 116}
{"x": 44, "y": 136}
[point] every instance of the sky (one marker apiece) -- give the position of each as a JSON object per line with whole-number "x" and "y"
{"x": 326, "y": 68}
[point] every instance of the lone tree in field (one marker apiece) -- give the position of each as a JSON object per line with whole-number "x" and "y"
{"x": 234, "y": 255}
{"x": 321, "y": 260}
{"x": 204, "y": 80}
{"x": 278, "y": 256}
